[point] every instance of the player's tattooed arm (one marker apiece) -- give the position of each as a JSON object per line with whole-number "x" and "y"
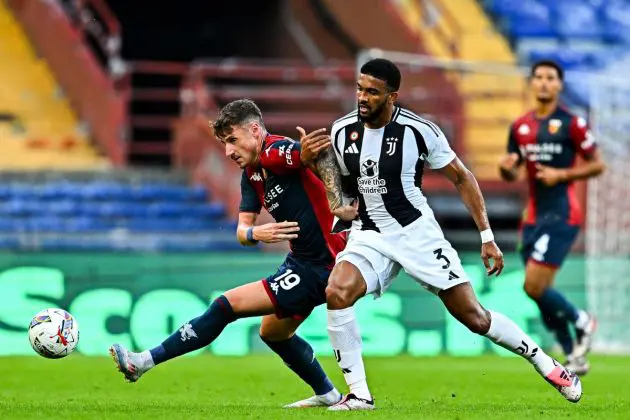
{"x": 329, "y": 172}
{"x": 327, "y": 168}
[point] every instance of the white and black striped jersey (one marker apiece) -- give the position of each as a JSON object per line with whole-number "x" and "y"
{"x": 383, "y": 167}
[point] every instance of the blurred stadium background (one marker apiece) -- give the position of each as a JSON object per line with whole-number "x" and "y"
{"x": 117, "y": 203}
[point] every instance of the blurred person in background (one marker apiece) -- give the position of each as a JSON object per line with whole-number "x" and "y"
{"x": 547, "y": 141}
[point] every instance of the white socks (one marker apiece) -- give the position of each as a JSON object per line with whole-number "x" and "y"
{"x": 345, "y": 338}
{"x": 331, "y": 397}
{"x": 504, "y": 332}
{"x": 144, "y": 360}
{"x": 583, "y": 319}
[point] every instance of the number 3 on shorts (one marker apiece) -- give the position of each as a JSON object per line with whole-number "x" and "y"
{"x": 288, "y": 280}
{"x": 440, "y": 256}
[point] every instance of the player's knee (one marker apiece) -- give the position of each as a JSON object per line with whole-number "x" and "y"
{"x": 338, "y": 296}
{"x": 534, "y": 289}
{"x": 345, "y": 286}
{"x": 272, "y": 333}
{"x": 341, "y": 295}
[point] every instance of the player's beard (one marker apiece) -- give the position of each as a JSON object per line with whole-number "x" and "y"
{"x": 545, "y": 99}
{"x": 374, "y": 114}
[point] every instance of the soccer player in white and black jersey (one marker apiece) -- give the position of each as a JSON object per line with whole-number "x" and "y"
{"x": 380, "y": 151}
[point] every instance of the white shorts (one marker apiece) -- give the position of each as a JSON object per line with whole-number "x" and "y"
{"x": 419, "y": 248}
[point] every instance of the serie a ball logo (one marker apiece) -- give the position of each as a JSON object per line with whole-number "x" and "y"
{"x": 369, "y": 168}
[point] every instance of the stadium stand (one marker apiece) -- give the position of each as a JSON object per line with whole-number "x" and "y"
{"x": 143, "y": 111}
{"x": 581, "y": 35}
{"x": 460, "y": 29}
{"x": 126, "y": 210}
{"x": 39, "y": 129}
{"x": 56, "y": 192}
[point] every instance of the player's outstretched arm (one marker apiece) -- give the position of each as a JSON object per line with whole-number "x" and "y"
{"x": 249, "y": 235}
{"x": 470, "y": 194}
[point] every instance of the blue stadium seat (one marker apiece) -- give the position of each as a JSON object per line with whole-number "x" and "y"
{"x": 51, "y": 191}
{"x": 88, "y": 224}
{"x": 616, "y": 22}
{"x": 112, "y": 216}
{"x": 525, "y": 18}
{"x": 7, "y": 225}
{"x": 23, "y": 191}
{"x": 198, "y": 193}
{"x": 210, "y": 210}
{"x": 5, "y": 192}
{"x": 576, "y": 19}
{"x": 18, "y": 207}
{"x": 66, "y": 207}
{"x": 167, "y": 209}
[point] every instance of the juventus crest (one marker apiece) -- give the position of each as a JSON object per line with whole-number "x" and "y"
{"x": 391, "y": 145}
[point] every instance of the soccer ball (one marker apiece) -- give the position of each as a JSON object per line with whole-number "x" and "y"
{"x": 53, "y": 333}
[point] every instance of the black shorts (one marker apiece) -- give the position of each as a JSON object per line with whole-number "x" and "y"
{"x": 297, "y": 288}
{"x": 547, "y": 243}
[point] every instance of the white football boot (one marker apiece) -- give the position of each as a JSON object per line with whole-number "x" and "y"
{"x": 352, "y": 402}
{"x": 315, "y": 401}
{"x": 128, "y": 363}
{"x": 566, "y": 382}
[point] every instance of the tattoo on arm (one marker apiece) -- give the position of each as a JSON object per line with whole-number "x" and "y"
{"x": 330, "y": 174}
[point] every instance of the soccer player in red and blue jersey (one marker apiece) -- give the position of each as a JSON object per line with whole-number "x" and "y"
{"x": 275, "y": 178}
{"x": 547, "y": 141}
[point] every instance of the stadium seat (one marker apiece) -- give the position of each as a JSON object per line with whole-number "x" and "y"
{"x": 7, "y": 225}
{"x": 112, "y": 215}
{"x": 616, "y": 22}
{"x": 524, "y": 18}
{"x": 582, "y": 35}
{"x": 576, "y": 19}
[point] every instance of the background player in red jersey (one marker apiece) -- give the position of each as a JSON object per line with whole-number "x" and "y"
{"x": 273, "y": 177}
{"x": 547, "y": 141}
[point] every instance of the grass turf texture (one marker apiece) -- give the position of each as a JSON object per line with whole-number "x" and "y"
{"x": 256, "y": 387}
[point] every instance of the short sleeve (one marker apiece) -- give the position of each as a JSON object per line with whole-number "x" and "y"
{"x": 582, "y": 136}
{"x": 250, "y": 203}
{"x": 440, "y": 152}
{"x": 512, "y": 146}
{"x": 282, "y": 156}
{"x": 337, "y": 133}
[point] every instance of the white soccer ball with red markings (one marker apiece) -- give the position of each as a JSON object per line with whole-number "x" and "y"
{"x": 53, "y": 333}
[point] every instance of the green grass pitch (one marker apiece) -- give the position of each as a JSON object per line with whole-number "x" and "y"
{"x": 256, "y": 387}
